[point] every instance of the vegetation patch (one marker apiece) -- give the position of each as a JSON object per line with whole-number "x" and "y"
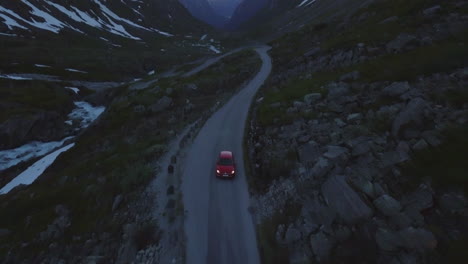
{"x": 446, "y": 164}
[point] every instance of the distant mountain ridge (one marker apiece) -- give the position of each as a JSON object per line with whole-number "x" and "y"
{"x": 202, "y": 10}
{"x": 132, "y": 19}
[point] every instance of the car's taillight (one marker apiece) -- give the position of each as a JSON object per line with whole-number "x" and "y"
{"x": 232, "y": 172}
{"x": 217, "y": 171}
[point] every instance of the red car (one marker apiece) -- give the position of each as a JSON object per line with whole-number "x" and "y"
{"x": 225, "y": 166}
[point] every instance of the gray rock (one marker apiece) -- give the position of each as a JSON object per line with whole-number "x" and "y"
{"x": 388, "y": 20}
{"x": 336, "y": 90}
{"x": 354, "y": 117}
{"x": 396, "y": 89}
{"x": 344, "y": 200}
{"x": 339, "y": 122}
{"x": 321, "y": 168}
{"x": 335, "y": 152}
{"x": 308, "y": 153}
{"x": 280, "y": 234}
{"x": 432, "y": 10}
{"x": 312, "y": 52}
{"x": 386, "y": 239}
{"x": 387, "y": 205}
{"x": 419, "y": 200}
{"x": 403, "y": 40}
{"x": 312, "y": 98}
{"x": 392, "y": 158}
{"x": 420, "y": 145}
{"x": 117, "y": 200}
{"x": 161, "y": 105}
{"x": 417, "y": 238}
{"x": 364, "y": 186}
{"x": 413, "y": 113}
{"x": 319, "y": 213}
{"x": 350, "y": 76}
{"x": 298, "y": 105}
{"x": 292, "y": 235}
{"x": 303, "y": 139}
{"x": 321, "y": 245}
{"x": 401, "y": 220}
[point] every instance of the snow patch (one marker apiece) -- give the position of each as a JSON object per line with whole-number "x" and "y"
{"x": 42, "y": 66}
{"x": 74, "y": 70}
{"x": 74, "y": 89}
{"x": 10, "y": 23}
{"x": 151, "y": 72}
{"x": 13, "y": 77}
{"x": 85, "y": 113}
{"x": 215, "y": 50}
{"x": 11, "y": 157}
{"x": 34, "y": 171}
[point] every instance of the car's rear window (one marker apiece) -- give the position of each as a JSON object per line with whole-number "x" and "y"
{"x": 225, "y": 161}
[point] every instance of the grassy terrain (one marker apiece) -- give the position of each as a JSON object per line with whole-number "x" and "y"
{"x": 446, "y": 164}
{"x": 114, "y": 156}
{"x": 102, "y": 60}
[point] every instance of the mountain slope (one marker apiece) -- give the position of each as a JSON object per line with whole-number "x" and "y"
{"x": 202, "y": 10}
{"x": 110, "y": 40}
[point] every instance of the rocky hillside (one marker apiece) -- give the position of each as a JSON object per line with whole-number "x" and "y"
{"x": 357, "y": 142}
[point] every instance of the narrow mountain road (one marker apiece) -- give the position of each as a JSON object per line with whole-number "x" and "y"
{"x": 218, "y": 227}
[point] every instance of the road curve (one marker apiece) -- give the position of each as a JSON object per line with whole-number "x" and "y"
{"x": 218, "y": 227}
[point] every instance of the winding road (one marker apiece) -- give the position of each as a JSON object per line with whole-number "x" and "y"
{"x": 218, "y": 227}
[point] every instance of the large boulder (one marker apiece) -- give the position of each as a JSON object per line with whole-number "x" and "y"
{"x": 413, "y": 113}
{"x": 416, "y": 238}
{"x": 344, "y": 200}
{"x": 401, "y": 42}
{"x": 396, "y": 89}
{"x": 387, "y": 205}
{"x": 321, "y": 245}
{"x": 308, "y": 153}
{"x": 312, "y": 98}
{"x": 336, "y": 90}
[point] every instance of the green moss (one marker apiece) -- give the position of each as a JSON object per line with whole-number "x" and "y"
{"x": 439, "y": 57}
{"x": 446, "y": 164}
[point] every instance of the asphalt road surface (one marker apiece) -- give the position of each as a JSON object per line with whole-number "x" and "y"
{"x": 218, "y": 227}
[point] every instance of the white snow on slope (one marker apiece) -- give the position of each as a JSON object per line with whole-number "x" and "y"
{"x": 42, "y": 66}
{"x": 32, "y": 173}
{"x": 74, "y": 89}
{"x": 306, "y": 3}
{"x": 8, "y": 35}
{"x": 86, "y": 113}
{"x": 12, "y": 77}
{"x": 10, "y": 23}
{"x": 74, "y": 70}
{"x": 11, "y": 157}
{"x": 51, "y": 23}
{"x": 109, "y": 21}
{"x": 215, "y": 50}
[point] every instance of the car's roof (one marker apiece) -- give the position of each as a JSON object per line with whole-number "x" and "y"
{"x": 225, "y": 154}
